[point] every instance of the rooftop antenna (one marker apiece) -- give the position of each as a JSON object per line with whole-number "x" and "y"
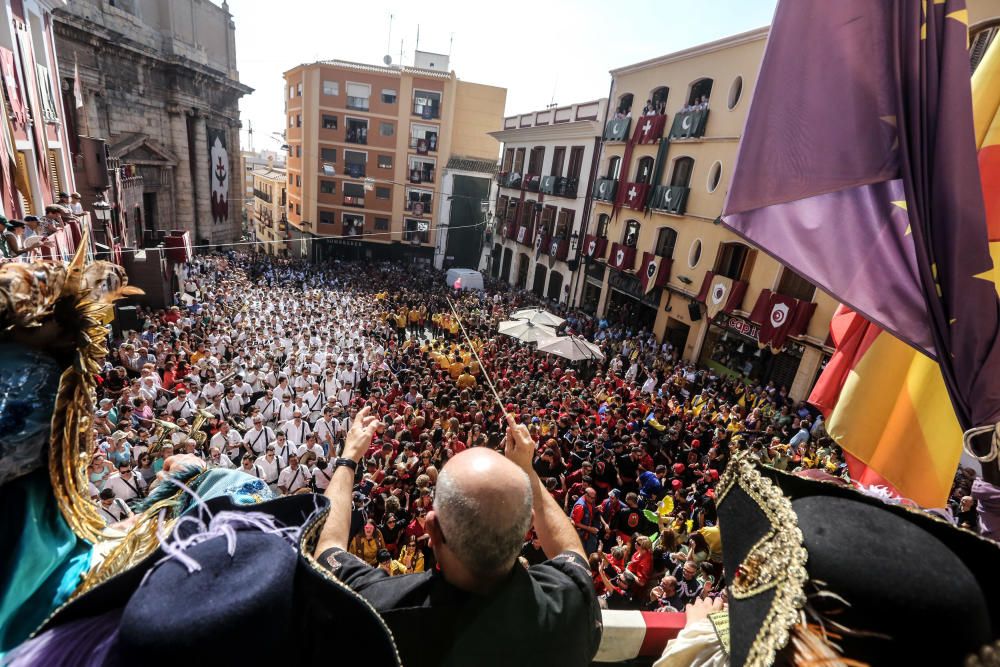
{"x": 401, "y": 42}
{"x": 451, "y": 43}
{"x": 388, "y": 41}
{"x": 418, "y": 37}
{"x": 552, "y": 102}
{"x": 250, "y": 134}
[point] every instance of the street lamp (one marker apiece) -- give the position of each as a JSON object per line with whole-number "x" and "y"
{"x": 102, "y": 210}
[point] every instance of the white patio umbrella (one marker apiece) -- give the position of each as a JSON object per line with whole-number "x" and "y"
{"x": 573, "y": 348}
{"x": 524, "y": 331}
{"x": 537, "y": 316}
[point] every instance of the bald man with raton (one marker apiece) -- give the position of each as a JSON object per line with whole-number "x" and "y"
{"x": 480, "y": 606}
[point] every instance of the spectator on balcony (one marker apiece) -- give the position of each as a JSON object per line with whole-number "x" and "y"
{"x": 14, "y": 237}
{"x": 52, "y": 221}
{"x": 33, "y": 227}
{"x": 75, "y": 207}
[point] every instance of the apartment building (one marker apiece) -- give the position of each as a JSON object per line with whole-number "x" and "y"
{"x": 542, "y": 203}
{"x": 366, "y": 146}
{"x": 268, "y": 219}
{"x": 657, "y": 255}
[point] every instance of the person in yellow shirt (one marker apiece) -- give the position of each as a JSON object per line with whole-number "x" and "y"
{"x": 465, "y": 380}
{"x": 414, "y": 318}
{"x": 453, "y": 327}
{"x": 474, "y": 368}
{"x": 401, "y": 324}
{"x": 456, "y": 368}
{"x": 391, "y": 566}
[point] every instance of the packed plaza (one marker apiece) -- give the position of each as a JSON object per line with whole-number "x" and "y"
{"x": 700, "y": 370}
{"x": 266, "y": 367}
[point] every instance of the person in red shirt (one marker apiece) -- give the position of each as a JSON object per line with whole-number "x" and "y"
{"x": 640, "y": 567}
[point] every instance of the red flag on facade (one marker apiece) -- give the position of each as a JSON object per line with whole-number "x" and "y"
{"x": 774, "y": 329}
{"x": 622, "y": 257}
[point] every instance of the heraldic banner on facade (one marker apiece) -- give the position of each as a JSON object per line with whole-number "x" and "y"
{"x": 218, "y": 152}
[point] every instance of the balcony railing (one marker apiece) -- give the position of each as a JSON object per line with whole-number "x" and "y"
{"x": 355, "y": 169}
{"x": 566, "y": 187}
{"x": 357, "y": 103}
{"x": 616, "y": 129}
{"x": 418, "y": 207}
{"x": 427, "y": 111}
{"x": 670, "y": 199}
{"x": 548, "y": 185}
{"x": 358, "y": 202}
{"x": 532, "y": 182}
{"x": 511, "y": 180}
{"x": 689, "y": 124}
{"x": 421, "y": 175}
{"x": 357, "y": 135}
{"x": 425, "y": 145}
{"x": 263, "y": 196}
{"x": 605, "y": 189}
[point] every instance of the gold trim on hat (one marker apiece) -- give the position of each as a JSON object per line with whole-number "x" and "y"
{"x": 777, "y": 561}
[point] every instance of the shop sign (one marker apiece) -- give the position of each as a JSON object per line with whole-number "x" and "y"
{"x": 738, "y": 324}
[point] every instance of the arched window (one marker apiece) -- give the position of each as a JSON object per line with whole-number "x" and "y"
{"x": 665, "y": 241}
{"x": 735, "y": 260}
{"x": 631, "y": 236}
{"x": 701, "y": 92}
{"x": 683, "y": 166}
{"x": 614, "y": 167}
{"x": 658, "y": 100}
{"x": 625, "y": 103}
{"x": 644, "y": 170}
{"x": 602, "y": 225}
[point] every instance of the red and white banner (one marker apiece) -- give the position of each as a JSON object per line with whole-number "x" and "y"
{"x": 654, "y": 272}
{"x": 594, "y": 247}
{"x": 774, "y": 328}
{"x": 649, "y": 129}
{"x": 622, "y": 257}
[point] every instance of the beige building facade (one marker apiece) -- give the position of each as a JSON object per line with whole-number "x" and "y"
{"x": 268, "y": 220}
{"x": 367, "y": 145}
{"x": 546, "y": 169}
{"x": 663, "y": 195}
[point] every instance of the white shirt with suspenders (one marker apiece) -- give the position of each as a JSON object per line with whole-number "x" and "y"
{"x": 115, "y": 512}
{"x": 297, "y": 433}
{"x": 258, "y": 440}
{"x": 314, "y": 403}
{"x": 293, "y": 480}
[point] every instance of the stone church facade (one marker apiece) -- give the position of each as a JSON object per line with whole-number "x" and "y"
{"x": 161, "y": 87}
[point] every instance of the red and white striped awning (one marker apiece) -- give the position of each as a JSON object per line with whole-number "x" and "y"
{"x": 630, "y": 634}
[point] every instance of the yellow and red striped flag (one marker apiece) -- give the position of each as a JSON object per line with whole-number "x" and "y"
{"x": 886, "y": 404}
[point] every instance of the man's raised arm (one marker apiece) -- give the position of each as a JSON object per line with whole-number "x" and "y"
{"x": 554, "y": 529}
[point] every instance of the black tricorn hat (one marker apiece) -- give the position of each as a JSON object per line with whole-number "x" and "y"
{"x": 887, "y": 584}
{"x": 255, "y": 595}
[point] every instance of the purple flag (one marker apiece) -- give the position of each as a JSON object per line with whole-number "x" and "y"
{"x": 858, "y": 169}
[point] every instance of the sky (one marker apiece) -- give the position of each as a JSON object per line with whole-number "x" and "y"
{"x": 542, "y": 51}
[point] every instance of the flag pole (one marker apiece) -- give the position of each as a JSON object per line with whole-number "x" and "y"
{"x": 482, "y": 366}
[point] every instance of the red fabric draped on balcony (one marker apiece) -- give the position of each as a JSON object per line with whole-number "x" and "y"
{"x": 649, "y": 129}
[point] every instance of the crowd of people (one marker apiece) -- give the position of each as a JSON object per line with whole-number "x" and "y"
{"x": 266, "y": 362}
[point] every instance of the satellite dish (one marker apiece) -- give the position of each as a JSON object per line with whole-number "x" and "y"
{"x": 387, "y": 59}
